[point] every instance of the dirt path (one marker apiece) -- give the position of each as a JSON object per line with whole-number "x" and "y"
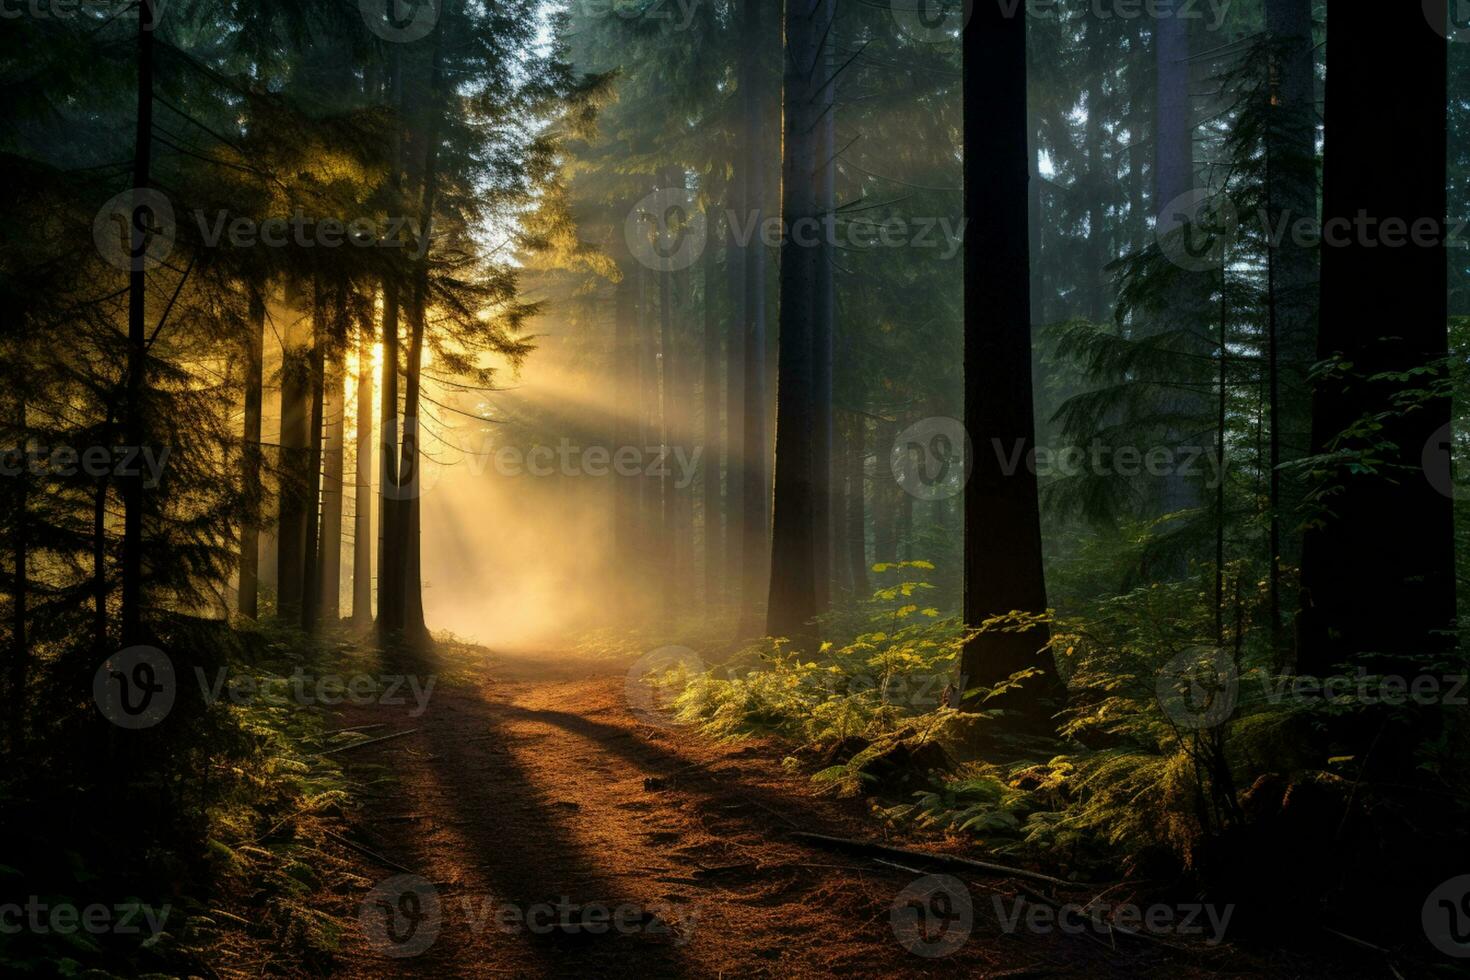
{"x": 555, "y": 833}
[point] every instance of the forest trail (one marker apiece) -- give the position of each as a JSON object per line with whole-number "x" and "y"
{"x": 540, "y": 790}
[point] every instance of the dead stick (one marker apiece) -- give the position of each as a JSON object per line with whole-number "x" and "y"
{"x": 353, "y": 728}
{"x": 367, "y": 853}
{"x": 868, "y": 847}
{"x": 381, "y": 738}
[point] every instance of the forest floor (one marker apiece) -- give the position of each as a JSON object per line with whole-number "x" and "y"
{"x": 534, "y": 795}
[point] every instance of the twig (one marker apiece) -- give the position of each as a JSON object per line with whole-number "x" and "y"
{"x": 950, "y": 859}
{"x": 381, "y": 738}
{"x": 353, "y": 728}
{"x": 1356, "y": 941}
{"x": 901, "y": 867}
{"x": 385, "y": 862}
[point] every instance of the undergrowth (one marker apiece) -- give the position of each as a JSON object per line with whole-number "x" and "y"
{"x": 220, "y": 834}
{"x": 1173, "y": 740}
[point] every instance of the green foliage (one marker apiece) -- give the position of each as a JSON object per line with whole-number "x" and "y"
{"x": 890, "y": 677}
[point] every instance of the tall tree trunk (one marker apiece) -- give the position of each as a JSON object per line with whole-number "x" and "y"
{"x": 650, "y": 503}
{"x": 626, "y": 429}
{"x": 333, "y": 464}
{"x": 841, "y": 573}
{"x": 294, "y": 466}
{"x": 390, "y": 561}
{"x": 1291, "y": 196}
{"x": 667, "y": 378}
{"x": 19, "y": 589}
{"x": 390, "y": 511}
{"x": 1185, "y": 308}
{"x": 710, "y": 482}
{"x": 132, "y": 486}
{"x": 755, "y": 482}
{"x": 856, "y": 531}
{"x": 824, "y": 299}
{"x": 362, "y": 478}
{"x": 311, "y": 605}
{"x": 1003, "y": 559}
{"x": 1385, "y": 310}
{"x": 735, "y": 258}
{"x": 793, "y": 601}
{"x": 248, "y": 603}
{"x": 410, "y": 465}
{"x": 885, "y": 502}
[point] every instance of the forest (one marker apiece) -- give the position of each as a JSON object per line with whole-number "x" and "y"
{"x": 734, "y": 488}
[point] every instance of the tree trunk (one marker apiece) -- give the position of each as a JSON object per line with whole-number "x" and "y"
{"x": 1291, "y": 196}
{"x": 333, "y": 466}
{"x": 362, "y": 478}
{"x": 390, "y": 561}
{"x": 1378, "y": 566}
{"x": 710, "y": 482}
{"x": 668, "y": 536}
{"x": 390, "y": 512}
{"x": 626, "y": 430}
{"x": 1185, "y": 308}
{"x": 410, "y": 472}
{"x": 249, "y": 591}
{"x": 841, "y": 458}
{"x": 311, "y": 577}
{"x": 1003, "y": 559}
{"x": 857, "y": 544}
{"x": 19, "y": 589}
{"x": 755, "y": 485}
{"x": 885, "y": 504}
{"x": 793, "y": 601}
{"x": 823, "y": 303}
{"x": 735, "y": 385}
{"x": 295, "y": 470}
{"x": 132, "y": 486}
